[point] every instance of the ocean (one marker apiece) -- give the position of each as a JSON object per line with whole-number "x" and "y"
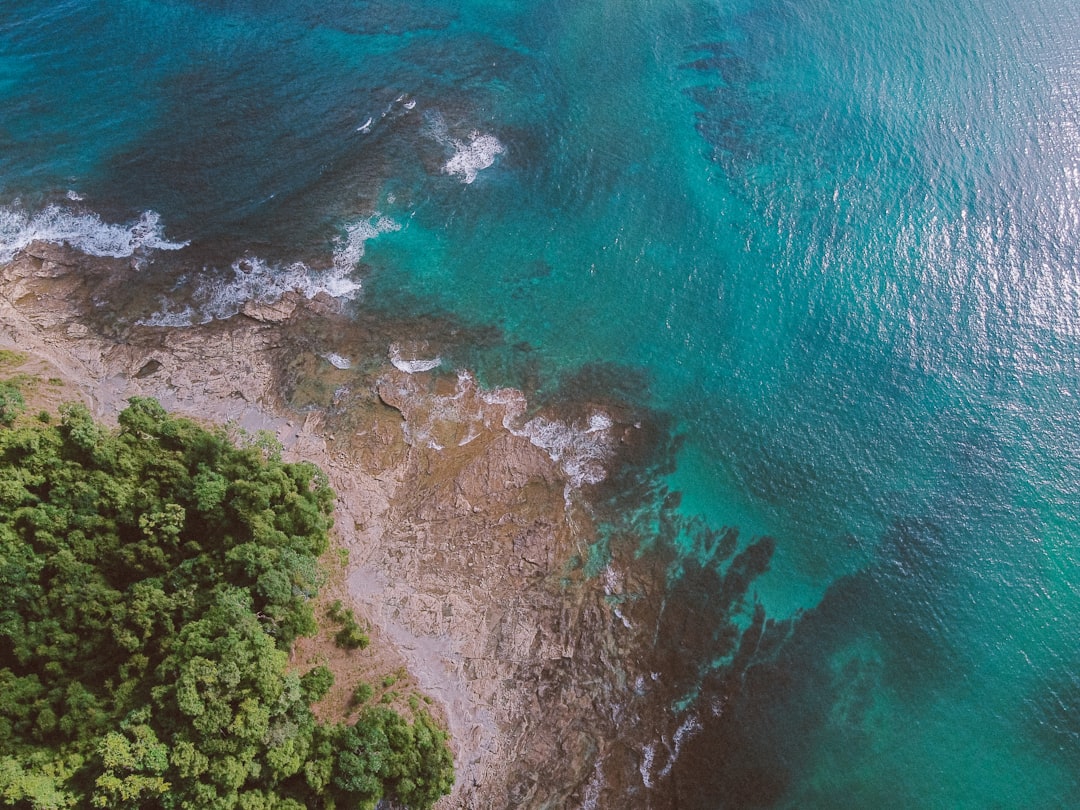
{"x": 836, "y": 245}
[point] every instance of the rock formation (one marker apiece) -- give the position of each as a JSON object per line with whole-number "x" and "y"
{"x": 461, "y": 514}
{"x": 569, "y": 677}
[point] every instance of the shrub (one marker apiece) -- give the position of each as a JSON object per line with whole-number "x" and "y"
{"x": 361, "y": 694}
{"x": 352, "y": 637}
{"x": 11, "y": 403}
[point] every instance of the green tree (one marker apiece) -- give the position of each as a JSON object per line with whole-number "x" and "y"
{"x": 152, "y": 581}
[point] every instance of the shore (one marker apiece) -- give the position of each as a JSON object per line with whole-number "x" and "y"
{"x": 462, "y": 512}
{"x": 526, "y": 566}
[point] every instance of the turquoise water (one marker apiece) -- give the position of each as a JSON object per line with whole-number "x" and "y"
{"x": 839, "y": 240}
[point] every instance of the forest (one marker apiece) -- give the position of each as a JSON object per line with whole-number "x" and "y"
{"x": 153, "y": 578}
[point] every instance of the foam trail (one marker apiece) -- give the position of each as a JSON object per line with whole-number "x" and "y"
{"x": 690, "y": 726}
{"x": 84, "y": 231}
{"x": 648, "y": 754}
{"x": 580, "y": 448}
{"x": 349, "y": 248}
{"x": 592, "y": 789}
{"x": 647, "y": 766}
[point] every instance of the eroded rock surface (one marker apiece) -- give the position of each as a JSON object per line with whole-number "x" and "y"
{"x": 568, "y": 678}
{"x": 461, "y": 510}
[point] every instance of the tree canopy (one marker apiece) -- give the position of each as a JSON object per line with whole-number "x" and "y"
{"x": 152, "y": 581}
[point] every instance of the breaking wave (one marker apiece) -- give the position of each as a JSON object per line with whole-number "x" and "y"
{"x": 580, "y": 449}
{"x": 470, "y": 156}
{"x": 349, "y": 248}
{"x": 82, "y": 230}
{"x": 256, "y": 280}
{"x": 412, "y": 365}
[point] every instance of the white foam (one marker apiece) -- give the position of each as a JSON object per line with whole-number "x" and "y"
{"x": 400, "y": 106}
{"x": 337, "y": 361}
{"x": 172, "y": 317}
{"x": 83, "y": 231}
{"x": 647, "y": 767}
{"x": 349, "y": 247}
{"x": 592, "y": 789}
{"x": 599, "y": 421}
{"x": 470, "y": 156}
{"x": 456, "y": 416}
{"x": 407, "y": 360}
{"x": 648, "y": 753}
{"x": 474, "y": 155}
{"x": 690, "y": 726}
{"x": 262, "y": 282}
{"x": 415, "y": 366}
{"x": 580, "y": 450}
{"x": 613, "y": 581}
{"x": 511, "y": 398}
{"x": 254, "y": 279}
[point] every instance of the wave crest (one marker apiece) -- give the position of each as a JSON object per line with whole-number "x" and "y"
{"x": 410, "y": 362}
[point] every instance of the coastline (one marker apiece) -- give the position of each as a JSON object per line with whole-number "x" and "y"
{"x": 459, "y": 514}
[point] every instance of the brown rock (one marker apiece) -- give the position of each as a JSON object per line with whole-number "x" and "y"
{"x": 274, "y": 311}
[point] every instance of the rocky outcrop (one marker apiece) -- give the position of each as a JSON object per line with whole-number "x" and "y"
{"x": 462, "y": 511}
{"x": 274, "y": 311}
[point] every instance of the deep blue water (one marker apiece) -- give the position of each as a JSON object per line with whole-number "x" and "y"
{"x": 838, "y": 239}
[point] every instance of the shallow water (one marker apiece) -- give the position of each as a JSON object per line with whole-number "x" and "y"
{"x": 837, "y": 240}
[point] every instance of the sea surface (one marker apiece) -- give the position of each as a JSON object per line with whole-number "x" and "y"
{"x": 835, "y": 242}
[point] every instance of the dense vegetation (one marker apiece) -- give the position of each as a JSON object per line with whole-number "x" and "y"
{"x": 152, "y": 581}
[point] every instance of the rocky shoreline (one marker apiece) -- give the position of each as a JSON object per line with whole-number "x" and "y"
{"x": 469, "y": 520}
